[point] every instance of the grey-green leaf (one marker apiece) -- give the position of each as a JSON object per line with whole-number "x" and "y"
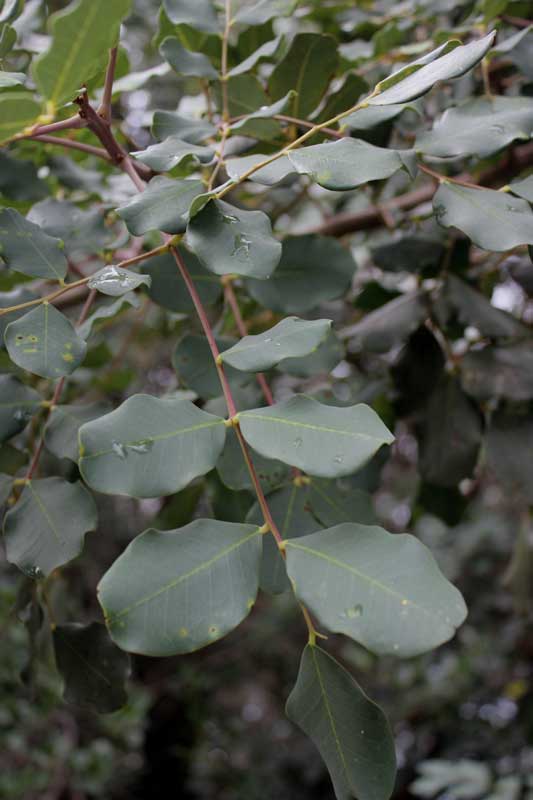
{"x": 64, "y": 422}
{"x": 290, "y": 338}
{"x": 185, "y": 62}
{"x": 348, "y": 163}
{"x": 322, "y": 440}
{"x": 479, "y": 127}
{"x": 47, "y": 526}
{"x": 173, "y": 152}
{"x": 115, "y": 281}
{"x": 493, "y": 220}
{"x": 107, "y": 311}
{"x": 177, "y": 591}
{"x": 149, "y": 447}
{"x": 8, "y": 79}
{"x": 383, "y": 590}
{"x": 523, "y": 188}
{"x": 264, "y": 10}
{"x": 229, "y": 240}
{"x": 27, "y": 249}
{"x": 169, "y": 123}
{"x": 272, "y": 173}
{"x": 266, "y": 112}
{"x": 93, "y": 669}
{"x": 267, "y": 50}
{"x": 300, "y": 282}
{"x": 82, "y": 34}
{"x": 45, "y": 342}
{"x": 194, "y": 364}
{"x": 385, "y": 327}
{"x": 307, "y": 67}
{"x": 199, "y": 14}
{"x": 18, "y": 111}
{"x": 350, "y": 732}
{"x": 421, "y": 77}
{"x": 18, "y": 403}
{"x": 168, "y": 289}
{"x": 162, "y": 206}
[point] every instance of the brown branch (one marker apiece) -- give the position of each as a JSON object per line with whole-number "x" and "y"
{"x": 105, "y": 106}
{"x": 84, "y": 148}
{"x": 372, "y": 217}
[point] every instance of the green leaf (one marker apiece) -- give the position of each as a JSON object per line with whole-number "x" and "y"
{"x": 268, "y": 176}
{"x": 267, "y": 50}
{"x": 501, "y": 372}
{"x": 108, "y": 311}
{"x": 523, "y": 188}
{"x": 304, "y": 506}
{"x": 192, "y": 586}
{"x": 194, "y": 364}
{"x": 19, "y": 179}
{"x": 479, "y": 127}
{"x": 47, "y": 526}
{"x": 349, "y": 163}
{"x": 387, "y": 326}
{"x": 185, "y": 62}
{"x": 64, "y": 422}
{"x": 6, "y": 487}
{"x": 322, "y": 440}
{"x": 149, "y": 447}
{"x": 94, "y": 671}
{"x": 17, "y": 406}
{"x": 173, "y": 152}
{"x": 366, "y": 118}
{"x": 307, "y": 67}
{"x": 162, "y": 206}
{"x": 450, "y": 436}
{"x": 290, "y": 338}
{"x": 115, "y": 281}
{"x": 323, "y": 360}
{"x": 493, "y": 220}
{"x": 473, "y": 308}
{"x": 82, "y": 34}
{"x": 246, "y": 95}
{"x": 27, "y": 249}
{"x": 234, "y": 473}
{"x": 82, "y": 230}
{"x": 300, "y": 282}
{"x": 350, "y": 732}
{"x": 418, "y": 78}
{"x": 8, "y": 79}
{"x": 45, "y": 343}
{"x": 199, "y": 14}
{"x": 265, "y": 112}
{"x": 168, "y": 289}
{"x": 341, "y": 99}
{"x": 9, "y": 299}
{"x": 509, "y": 443}
{"x": 169, "y": 123}
{"x": 229, "y": 240}
{"x": 383, "y": 590}
{"x": 511, "y": 42}
{"x": 264, "y": 10}
{"x": 18, "y": 111}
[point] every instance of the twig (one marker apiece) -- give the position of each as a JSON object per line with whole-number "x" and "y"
{"x": 84, "y": 148}
{"x": 105, "y": 106}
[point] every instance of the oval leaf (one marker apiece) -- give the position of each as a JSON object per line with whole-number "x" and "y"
{"x": 326, "y": 441}
{"x": 229, "y": 240}
{"x": 177, "y": 591}
{"x": 64, "y": 422}
{"x": 350, "y": 731}
{"x": 149, "y": 447}
{"x": 45, "y": 342}
{"x": 27, "y": 249}
{"x": 115, "y": 281}
{"x": 163, "y": 205}
{"x": 47, "y": 526}
{"x": 383, "y": 590}
{"x": 172, "y": 153}
{"x": 18, "y": 404}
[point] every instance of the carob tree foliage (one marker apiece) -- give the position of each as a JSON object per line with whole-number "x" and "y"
{"x": 231, "y": 229}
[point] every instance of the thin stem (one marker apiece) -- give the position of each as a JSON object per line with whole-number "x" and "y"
{"x": 224, "y": 62}
{"x": 105, "y": 105}
{"x": 220, "y": 160}
{"x": 128, "y": 262}
{"x": 444, "y": 178}
{"x": 127, "y": 166}
{"x": 302, "y": 123}
{"x": 231, "y": 300}
{"x": 293, "y": 145}
{"x": 72, "y": 123}
{"x": 84, "y": 148}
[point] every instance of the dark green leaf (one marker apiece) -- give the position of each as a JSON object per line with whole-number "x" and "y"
{"x": 9, "y": 299}
{"x": 300, "y": 282}
{"x": 505, "y": 371}
{"x": 27, "y": 249}
{"x": 307, "y": 67}
{"x": 234, "y": 473}
{"x": 350, "y": 732}
{"x": 185, "y": 62}
{"x": 178, "y": 591}
{"x": 168, "y": 123}
{"x": 61, "y": 432}
{"x": 193, "y": 362}
{"x": 323, "y": 360}
{"x": 509, "y": 445}
{"x": 45, "y": 342}
{"x": 492, "y": 219}
{"x": 265, "y": 112}
{"x": 94, "y": 671}
{"x": 162, "y": 206}
{"x": 107, "y": 311}
{"x": 173, "y": 152}
{"x": 199, "y": 14}
{"x": 18, "y": 404}
{"x": 149, "y": 447}
{"x": 383, "y": 590}
{"x": 387, "y": 326}
{"x": 472, "y": 308}
{"x": 267, "y": 50}
{"x": 319, "y": 439}
{"x": 168, "y": 288}
{"x": 228, "y": 240}
{"x": 47, "y": 526}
